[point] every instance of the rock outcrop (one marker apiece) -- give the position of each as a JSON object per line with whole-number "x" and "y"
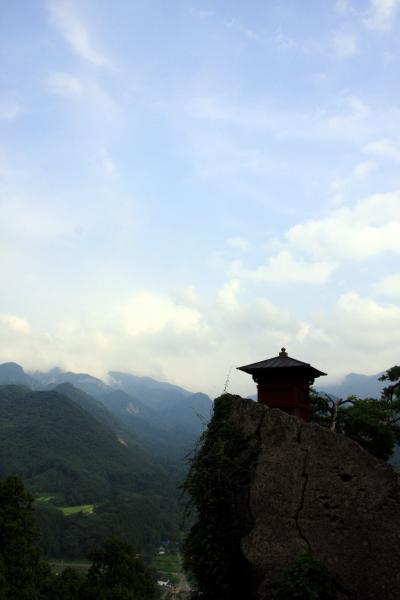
{"x": 315, "y": 491}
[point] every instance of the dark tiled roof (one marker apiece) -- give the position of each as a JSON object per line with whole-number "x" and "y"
{"x": 279, "y": 362}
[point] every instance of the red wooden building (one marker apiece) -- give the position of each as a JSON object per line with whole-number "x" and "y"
{"x": 284, "y": 382}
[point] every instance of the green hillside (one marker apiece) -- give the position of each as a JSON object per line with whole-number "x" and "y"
{"x": 164, "y": 418}
{"x": 58, "y": 447}
{"x": 89, "y": 482}
{"x": 167, "y": 419}
{"x": 99, "y": 465}
{"x": 99, "y": 411}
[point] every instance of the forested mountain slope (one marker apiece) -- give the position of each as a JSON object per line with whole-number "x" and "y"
{"x": 165, "y": 418}
{"x": 68, "y": 458}
{"x": 169, "y": 431}
{"x": 174, "y": 408}
{"x": 89, "y": 403}
{"x": 58, "y": 447}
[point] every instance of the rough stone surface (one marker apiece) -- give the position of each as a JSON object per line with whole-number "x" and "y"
{"x": 317, "y": 491}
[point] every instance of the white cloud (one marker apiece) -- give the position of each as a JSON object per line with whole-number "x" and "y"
{"x": 218, "y": 158}
{"x": 108, "y": 166}
{"x": 95, "y": 97}
{"x": 389, "y": 286}
{"x": 343, "y": 6}
{"x": 149, "y": 313}
{"x": 196, "y": 346}
{"x": 238, "y": 243}
{"x": 64, "y": 84}
{"x": 65, "y": 17}
{"x": 283, "y": 268}
{"x": 354, "y": 111}
{"x": 228, "y": 296}
{"x": 359, "y": 335}
{"x": 350, "y": 118}
{"x": 28, "y": 218}
{"x": 157, "y": 335}
{"x": 381, "y": 14}
{"x": 188, "y": 296}
{"x": 385, "y": 148}
{"x": 15, "y": 324}
{"x": 363, "y": 169}
{"x": 345, "y": 44}
{"x": 370, "y": 228}
{"x": 256, "y": 323}
{"x": 341, "y": 185}
{"x": 234, "y": 331}
{"x": 363, "y": 321}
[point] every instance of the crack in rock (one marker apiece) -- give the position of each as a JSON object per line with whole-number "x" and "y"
{"x": 304, "y": 476}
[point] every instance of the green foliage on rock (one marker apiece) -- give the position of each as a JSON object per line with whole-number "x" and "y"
{"x": 306, "y": 579}
{"x": 366, "y": 422}
{"x": 373, "y": 423}
{"x": 217, "y": 485}
{"x": 391, "y": 392}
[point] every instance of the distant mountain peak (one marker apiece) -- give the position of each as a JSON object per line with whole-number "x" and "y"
{"x": 13, "y": 373}
{"x": 358, "y": 384}
{"x": 12, "y": 366}
{"x": 122, "y": 380}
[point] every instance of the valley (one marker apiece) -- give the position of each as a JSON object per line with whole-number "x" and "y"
{"x": 98, "y": 459}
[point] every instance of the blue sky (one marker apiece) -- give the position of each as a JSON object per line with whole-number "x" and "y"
{"x": 187, "y": 186}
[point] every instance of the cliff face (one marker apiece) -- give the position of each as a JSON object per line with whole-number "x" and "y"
{"x": 315, "y": 491}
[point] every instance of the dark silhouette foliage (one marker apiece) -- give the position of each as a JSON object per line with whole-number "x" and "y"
{"x": 366, "y": 422}
{"x": 306, "y": 579}
{"x": 117, "y": 573}
{"x": 373, "y": 423}
{"x": 19, "y": 558}
{"x": 65, "y": 586}
{"x": 218, "y": 478}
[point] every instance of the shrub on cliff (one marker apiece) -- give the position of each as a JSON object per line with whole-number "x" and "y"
{"x": 217, "y": 484}
{"x": 306, "y": 579}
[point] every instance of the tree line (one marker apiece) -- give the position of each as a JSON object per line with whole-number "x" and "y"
{"x": 373, "y": 423}
{"x": 116, "y": 571}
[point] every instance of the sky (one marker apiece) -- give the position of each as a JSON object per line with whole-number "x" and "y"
{"x": 187, "y": 186}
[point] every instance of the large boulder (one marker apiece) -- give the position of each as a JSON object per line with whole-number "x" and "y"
{"x": 317, "y": 492}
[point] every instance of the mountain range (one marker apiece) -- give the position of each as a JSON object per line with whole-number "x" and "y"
{"x": 59, "y": 448}
{"x": 119, "y": 449}
{"x": 363, "y": 386}
{"x": 165, "y": 417}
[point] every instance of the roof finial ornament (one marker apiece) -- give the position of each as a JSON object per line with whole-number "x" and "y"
{"x": 283, "y": 352}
